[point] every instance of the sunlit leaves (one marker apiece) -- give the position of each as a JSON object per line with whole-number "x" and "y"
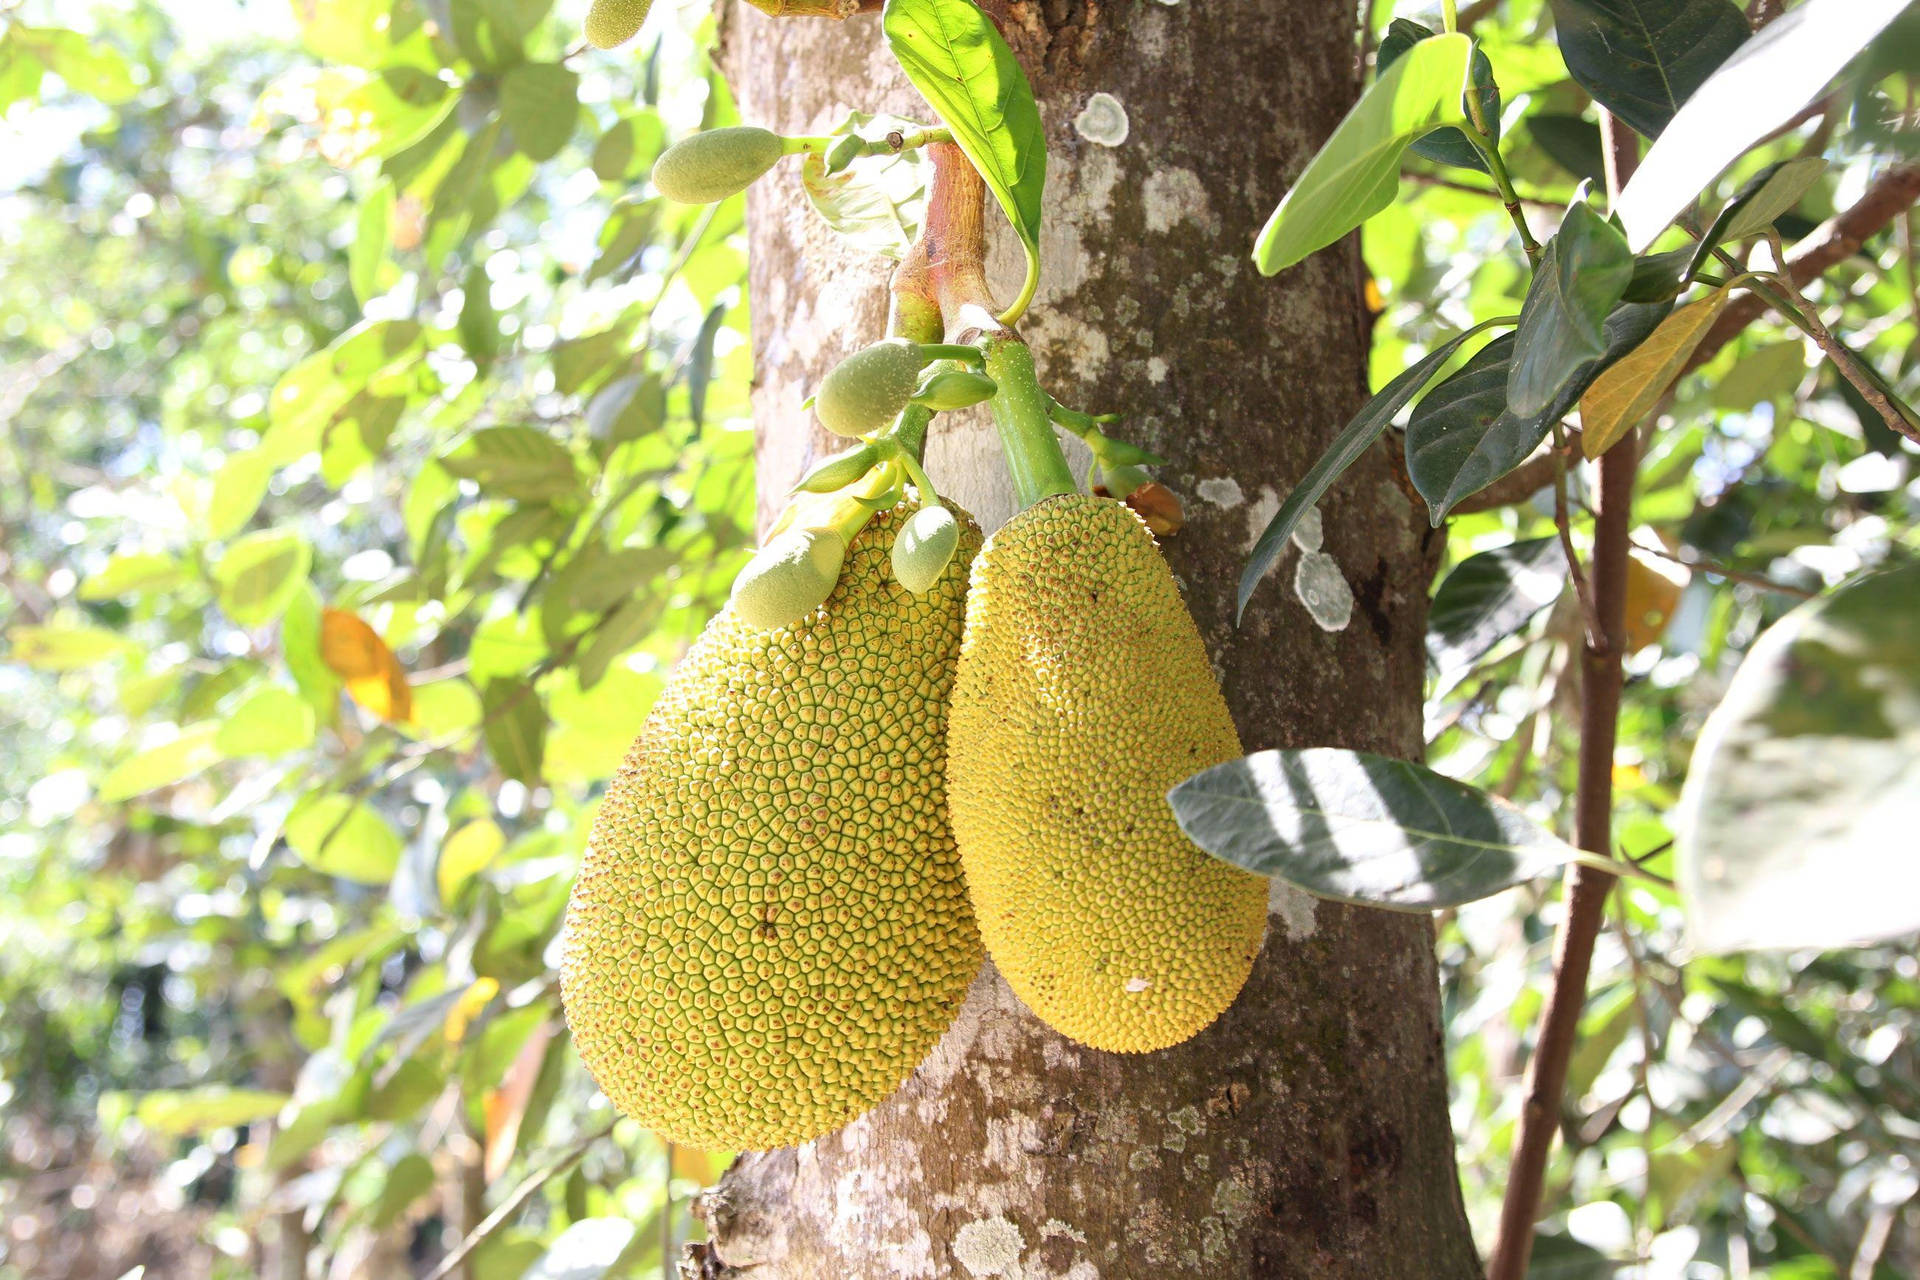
{"x": 194, "y": 750}
{"x": 540, "y": 103}
{"x": 271, "y": 721}
{"x": 184, "y": 1112}
{"x": 1489, "y": 596}
{"x": 373, "y": 677}
{"x": 515, "y": 462}
{"x": 258, "y": 575}
{"x": 1797, "y": 825}
{"x": 465, "y": 854}
{"x": 340, "y": 836}
{"x": 64, "y": 648}
{"x": 1356, "y": 173}
{"x": 878, "y": 202}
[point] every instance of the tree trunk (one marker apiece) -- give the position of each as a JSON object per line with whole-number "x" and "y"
{"x": 1305, "y": 1134}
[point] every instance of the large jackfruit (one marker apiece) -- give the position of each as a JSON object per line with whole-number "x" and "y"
{"x": 770, "y": 929}
{"x": 1084, "y": 693}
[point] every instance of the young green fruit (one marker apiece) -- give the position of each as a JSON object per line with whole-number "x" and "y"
{"x": 614, "y": 22}
{"x": 869, "y": 388}
{"x": 1084, "y": 692}
{"x": 839, "y": 471}
{"x": 925, "y": 546}
{"x": 789, "y": 578}
{"x": 955, "y": 389}
{"x": 713, "y": 165}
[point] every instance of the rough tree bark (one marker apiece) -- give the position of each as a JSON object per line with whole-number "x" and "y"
{"x": 1305, "y": 1134}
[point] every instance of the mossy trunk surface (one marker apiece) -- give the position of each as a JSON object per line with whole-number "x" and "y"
{"x": 1305, "y": 1134}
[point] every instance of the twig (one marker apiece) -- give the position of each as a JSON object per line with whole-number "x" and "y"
{"x": 1587, "y": 887}
{"x": 1719, "y": 570}
{"x": 511, "y": 1205}
{"x": 1836, "y": 240}
{"x": 1436, "y": 180}
{"x": 1590, "y": 619}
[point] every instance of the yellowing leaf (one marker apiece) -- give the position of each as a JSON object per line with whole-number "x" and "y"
{"x": 1654, "y": 584}
{"x": 468, "y": 1007}
{"x": 506, "y": 1106}
{"x": 1626, "y": 393}
{"x": 699, "y": 1165}
{"x": 374, "y": 678}
{"x": 467, "y": 852}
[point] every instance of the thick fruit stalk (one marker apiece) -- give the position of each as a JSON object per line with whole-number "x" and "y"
{"x": 770, "y": 929}
{"x": 1083, "y": 694}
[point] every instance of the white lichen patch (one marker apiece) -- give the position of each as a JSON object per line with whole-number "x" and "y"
{"x": 1186, "y": 1119}
{"x": 1053, "y": 1227}
{"x": 1173, "y": 196}
{"x": 1156, "y": 370}
{"x": 1294, "y": 908}
{"x": 1324, "y": 590}
{"x": 1308, "y": 535}
{"x": 1063, "y": 340}
{"x": 1259, "y": 515}
{"x": 1144, "y": 1158}
{"x": 1221, "y": 491}
{"x": 1135, "y": 985}
{"x": 1102, "y": 120}
{"x": 989, "y": 1247}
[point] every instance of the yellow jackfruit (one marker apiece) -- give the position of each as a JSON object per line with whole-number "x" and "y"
{"x": 1083, "y": 694}
{"x": 770, "y": 929}
{"x": 614, "y": 22}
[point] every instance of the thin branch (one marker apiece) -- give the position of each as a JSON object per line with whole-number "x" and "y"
{"x": 1521, "y": 483}
{"x": 1589, "y": 616}
{"x": 1436, "y": 180}
{"x": 1836, "y": 240}
{"x": 1719, "y": 570}
{"x": 511, "y": 1205}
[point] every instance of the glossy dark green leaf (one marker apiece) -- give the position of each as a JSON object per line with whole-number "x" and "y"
{"x": 1572, "y": 142}
{"x": 1754, "y": 208}
{"x": 1447, "y": 145}
{"x": 1581, "y": 276}
{"x": 1363, "y": 828}
{"x": 1354, "y": 439}
{"x": 1641, "y": 59}
{"x": 1757, "y": 90}
{"x": 1797, "y": 823}
{"x": 1660, "y": 277}
{"x": 1488, "y": 597}
{"x": 1462, "y": 437}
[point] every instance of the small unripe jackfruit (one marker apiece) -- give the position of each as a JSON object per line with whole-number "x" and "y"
{"x": 789, "y": 578}
{"x": 770, "y": 929}
{"x": 955, "y": 389}
{"x": 713, "y": 165}
{"x": 1084, "y": 693}
{"x": 611, "y": 23}
{"x": 868, "y": 389}
{"x": 925, "y": 546}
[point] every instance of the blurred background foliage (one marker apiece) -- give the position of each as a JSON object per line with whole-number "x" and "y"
{"x": 374, "y": 441}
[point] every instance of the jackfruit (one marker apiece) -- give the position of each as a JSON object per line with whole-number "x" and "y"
{"x": 789, "y": 578}
{"x": 716, "y": 164}
{"x": 925, "y": 546}
{"x": 614, "y": 22}
{"x": 868, "y": 389}
{"x": 951, "y": 389}
{"x": 770, "y": 928}
{"x": 1083, "y": 694}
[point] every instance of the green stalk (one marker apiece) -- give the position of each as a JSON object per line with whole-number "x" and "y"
{"x": 962, "y": 351}
{"x": 1034, "y": 458}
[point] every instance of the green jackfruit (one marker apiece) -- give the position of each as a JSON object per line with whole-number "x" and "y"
{"x": 789, "y": 578}
{"x": 611, "y": 23}
{"x": 955, "y": 389}
{"x": 868, "y": 389}
{"x": 924, "y": 548}
{"x": 716, "y": 164}
{"x": 1084, "y": 693}
{"x": 770, "y": 929}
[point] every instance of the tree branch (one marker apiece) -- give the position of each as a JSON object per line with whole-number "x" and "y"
{"x": 1838, "y": 239}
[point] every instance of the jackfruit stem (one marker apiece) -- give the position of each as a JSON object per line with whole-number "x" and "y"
{"x": 1034, "y": 458}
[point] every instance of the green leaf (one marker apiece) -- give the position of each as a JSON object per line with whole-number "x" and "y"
{"x": 960, "y": 64}
{"x": 410, "y": 1178}
{"x": 1489, "y": 597}
{"x": 188, "y": 1112}
{"x": 1767, "y": 195}
{"x": 515, "y": 728}
{"x": 62, "y": 648}
{"x": 1796, "y": 825}
{"x": 879, "y": 202}
{"x": 1641, "y": 59}
{"x": 1448, "y": 145}
{"x": 1357, "y": 173}
{"x": 271, "y": 722}
{"x": 699, "y": 367}
{"x": 339, "y": 836}
{"x": 88, "y": 65}
{"x": 1585, "y": 269}
{"x": 238, "y": 487}
{"x": 258, "y": 575}
{"x": 1560, "y": 1257}
{"x": 1363, "y": 828}
{"x": 465, "y": 854}
{"x": 194, "y": 751}
{"x": 1571, "y": 142}
{"x": 443, "y": 708}
{"x": 1462, "y": 436}
{"x": 586, "y": 1250}
{"x": 367, "y": 257}
{"x": 515, "y": 462}
{"x": 1354, "y": 439}
{"x": 540, "y": 101}
{"x": 1762, "y": 86}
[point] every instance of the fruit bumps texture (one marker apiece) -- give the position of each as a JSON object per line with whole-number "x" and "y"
{"x": 1084, "y": 693}
{"x": 770, "y": 929}
{"x": 614, "y": 22}
{"x": 716, "y": 164}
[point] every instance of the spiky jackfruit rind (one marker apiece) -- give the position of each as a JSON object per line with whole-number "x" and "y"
{"x": 716, "y": 164}
{"x": 1083, "y": 694}
{"x": 789, "y": 578}
{"x": 611, "y": 23}
{"x": 770, "y": 929}
{"x": 868, "y": 389}
{"x": 924, "y": 548}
